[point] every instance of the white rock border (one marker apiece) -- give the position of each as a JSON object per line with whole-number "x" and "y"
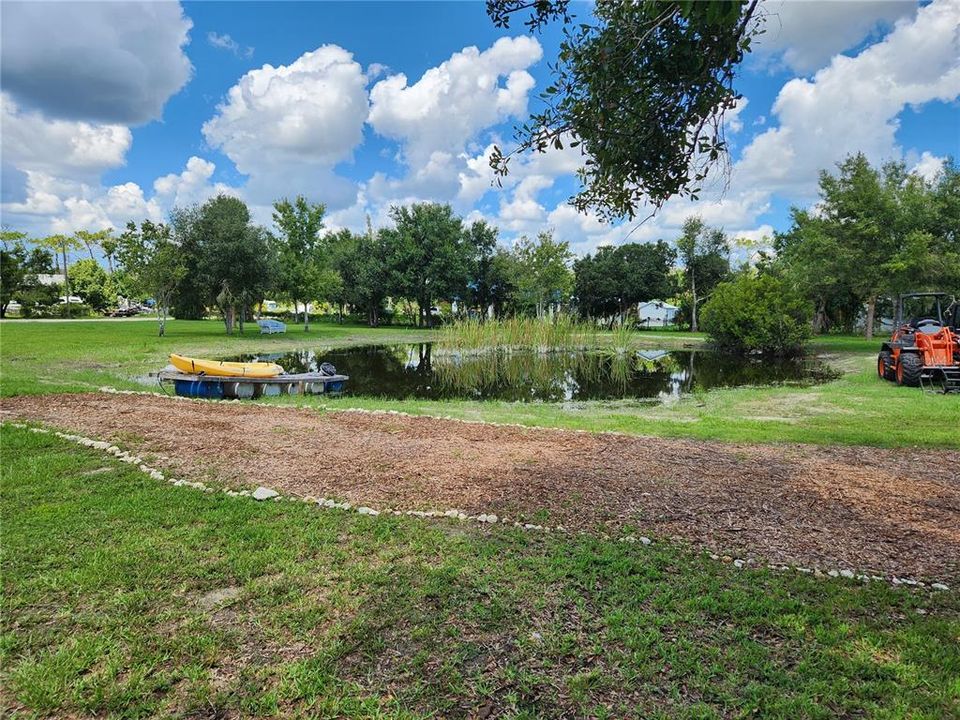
{"x": 262, "y": 493}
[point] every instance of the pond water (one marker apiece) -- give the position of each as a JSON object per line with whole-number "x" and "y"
{"x": 427, "y": 371}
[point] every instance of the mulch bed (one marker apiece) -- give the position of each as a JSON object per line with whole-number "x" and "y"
{"x": 886, "y": 511}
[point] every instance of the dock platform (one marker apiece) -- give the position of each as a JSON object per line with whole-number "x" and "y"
{"x": 244, "y": 388}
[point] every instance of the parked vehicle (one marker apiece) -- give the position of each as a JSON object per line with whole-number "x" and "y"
{"x": 925, "y": 345}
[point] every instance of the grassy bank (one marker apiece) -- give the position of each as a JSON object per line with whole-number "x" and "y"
{"x": 131, "y": 598}
{"x": 48, "y": 356}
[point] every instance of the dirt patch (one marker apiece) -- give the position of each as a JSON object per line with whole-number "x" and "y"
{"x": 98, "y": 471}
{"x": 218, "y": 597}
{"x": 890, "y": 511}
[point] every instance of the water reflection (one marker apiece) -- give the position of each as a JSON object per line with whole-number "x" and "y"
{"x": 425, "y": 371}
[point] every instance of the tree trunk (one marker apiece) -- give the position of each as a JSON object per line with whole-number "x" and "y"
{"x": 66, "y": 280}
{"x": 306, "y": 317}
{"x": 817, "y": 324}
{"x": 693, "y": 312}
{"x": 162, "y": 318}
{"x": 228, "y": 312}
{"x": 871, "y": 311}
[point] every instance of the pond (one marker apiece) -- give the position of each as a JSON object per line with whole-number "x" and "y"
{"x": 427, "y": 371}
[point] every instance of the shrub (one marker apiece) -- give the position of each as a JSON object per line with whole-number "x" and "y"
{"x": 60, "y": 311}
{"x": 90, "y": 282}
{"x": 757, "y": 313}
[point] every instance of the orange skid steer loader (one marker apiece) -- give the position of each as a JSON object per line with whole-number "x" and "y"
{"x": 924, "y": 349}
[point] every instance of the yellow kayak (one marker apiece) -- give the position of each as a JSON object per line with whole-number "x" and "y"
{"x": 218, "y": 368}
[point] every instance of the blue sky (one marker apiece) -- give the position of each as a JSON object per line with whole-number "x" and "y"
{"x": 114, "y": 112}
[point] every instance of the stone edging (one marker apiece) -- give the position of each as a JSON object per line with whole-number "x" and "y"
{"x": 264, "y": 493}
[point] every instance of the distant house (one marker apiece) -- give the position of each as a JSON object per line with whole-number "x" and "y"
{"x": 656, "y": 313}
{"x": 51, "y": 279}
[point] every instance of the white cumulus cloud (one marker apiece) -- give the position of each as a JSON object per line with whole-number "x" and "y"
{"x": 809, "y": 33}
{"x": 853, "y": 104}
{"x": 108, "y": 62}
{"x": 286, "y": 127}
{"x": 435, "y": 118}
{"x": 59, "y": 147}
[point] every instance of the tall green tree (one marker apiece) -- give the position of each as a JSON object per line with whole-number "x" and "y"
{"x": 230, "y": 263}
{"x": 92, "y": 240}
{"x": 615, "y": 279}
{"x": 486, "y": 283}
{"x": 642, "y": 87}
{"x": 705, "y": 256}
{"x": 18, "y": 273}
{"x": 858, "y": 204}
{"x": 876, "y": 231}
{"x": 302, "y": 257}
{"x": 427, "y": 255}
{"x": 109, "y": 246}
{"x": 816, "y": 262}
{"x": 153, "y": 264}
{"x": 361, "y": 263}
{"x": 544, "y": 274}
{"x": 62, "y": 245}
{"x": 13, "y": 266}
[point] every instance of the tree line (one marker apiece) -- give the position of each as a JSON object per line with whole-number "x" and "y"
{"x": 876, "y": 232}
{"x": 214, "y": 257}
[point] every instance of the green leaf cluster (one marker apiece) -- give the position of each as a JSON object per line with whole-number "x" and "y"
{"x": 758, "y": 313}
{"x": 642, "y": 89}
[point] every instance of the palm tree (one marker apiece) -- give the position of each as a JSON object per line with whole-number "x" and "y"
{"x": 61, "y": 245}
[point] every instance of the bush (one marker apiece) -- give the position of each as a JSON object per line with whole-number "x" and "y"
{"x": 757, "y": 314}
{"x": 90, "y": 282}
{"x": 76, "y": 310}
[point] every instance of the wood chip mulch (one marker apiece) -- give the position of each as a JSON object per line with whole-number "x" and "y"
{"x": 867, "y": 509}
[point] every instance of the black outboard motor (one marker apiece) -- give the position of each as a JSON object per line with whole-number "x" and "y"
{"x": 328, "y": 369}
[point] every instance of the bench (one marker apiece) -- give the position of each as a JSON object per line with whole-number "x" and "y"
{"x": 269, "y": 327}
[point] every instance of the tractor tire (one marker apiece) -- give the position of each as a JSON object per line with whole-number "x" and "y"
{"x": 885, "y": 365}
{"x": 908, "y": 369}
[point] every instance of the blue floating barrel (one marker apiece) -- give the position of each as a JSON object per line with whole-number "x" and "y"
{"x": 198, "y": 389}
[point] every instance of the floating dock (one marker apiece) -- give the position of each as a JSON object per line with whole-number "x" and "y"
{"x": 245, "y": 388}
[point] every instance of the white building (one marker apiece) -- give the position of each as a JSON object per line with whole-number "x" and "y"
{"x": 51, "y": 279}
{"x": 656, "y": 313}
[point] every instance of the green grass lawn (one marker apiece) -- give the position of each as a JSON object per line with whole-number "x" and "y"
{"x": 126, "y": 597}
{"x": 71, "y": 356}
{"x": 43, "y": 357}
